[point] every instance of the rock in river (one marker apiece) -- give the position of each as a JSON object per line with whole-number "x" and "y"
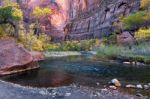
{"x": 139, "y": 86}
{"x": 115, "y": 82}
{"x": 14, "y": 58}
{"x": 130, "y": 86}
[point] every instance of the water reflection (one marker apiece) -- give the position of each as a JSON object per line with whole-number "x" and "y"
{"x": 55, "y": 72}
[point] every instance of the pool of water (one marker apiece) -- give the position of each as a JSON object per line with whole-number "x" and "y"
{"x": 80, "y": 70}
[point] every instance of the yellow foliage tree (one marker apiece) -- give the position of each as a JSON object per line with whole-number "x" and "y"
{"x": 145, "y": 4}
{"x": 39, "y": 12}
{"x": 142, "y": 34}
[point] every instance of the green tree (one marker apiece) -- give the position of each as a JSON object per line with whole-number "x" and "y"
{"x": 11, "y": 15}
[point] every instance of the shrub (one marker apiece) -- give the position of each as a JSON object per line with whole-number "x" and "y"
{"x": 32, "y": 42}
{"x": 71, "y": 46}
{"x": 2, "y": 32}
{"x": 145, "y": 4}
{"x": 111, "y": 51}
{"x": 83, "y": 45}
{"x": 134, "y": 20}
{"x": 142, "y": 34}
{"x": 111, "y": 39}
{"x": 10, "y": 12}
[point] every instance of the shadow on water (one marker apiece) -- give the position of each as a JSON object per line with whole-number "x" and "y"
{"x": 55, "y": 72}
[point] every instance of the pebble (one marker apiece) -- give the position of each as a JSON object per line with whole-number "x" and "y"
{"x": 130, "y": 86}
{"x": 113, "y": 87}
{"x": 104, "y": 89}
{"x": 128, "y": 63}
{"x": 67, "y": 94}
{"x": 139, "y": 95}
{"x": 146, "y": 87}
{"x": 115, "y": 82}
{"x": 97, "y": 83}
{"x": 139, "y": 86}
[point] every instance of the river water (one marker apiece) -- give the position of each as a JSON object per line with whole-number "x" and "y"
{"x": 81, "y": 70}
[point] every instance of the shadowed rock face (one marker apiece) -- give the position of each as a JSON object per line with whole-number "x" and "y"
{"x": 95, "y": 20}
{"x": 14, "y": 58}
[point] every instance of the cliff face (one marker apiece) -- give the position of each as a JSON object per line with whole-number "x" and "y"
{"x": 79, "y": 19}
{"x": 95, "y": 18}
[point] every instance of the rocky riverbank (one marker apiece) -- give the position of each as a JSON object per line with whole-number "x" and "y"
{"x": 68, "y": 53}
{"x": 12, "y": 91}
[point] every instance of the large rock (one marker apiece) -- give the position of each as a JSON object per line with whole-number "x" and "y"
{"x": 115, "y": 82}
{"x": 125, "y": 38}
{"x": 37, "y": 56}
{"x": 14, "y": 58}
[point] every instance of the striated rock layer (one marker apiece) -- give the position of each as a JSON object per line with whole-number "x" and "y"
{"x": 78, "y": 19}
{"x": 96, "y": 20}
{"x": 14, "y": 58}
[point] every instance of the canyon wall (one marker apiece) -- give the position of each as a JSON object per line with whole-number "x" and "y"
{"x": 95, "y": 18}
{"x": 78, "y": 19}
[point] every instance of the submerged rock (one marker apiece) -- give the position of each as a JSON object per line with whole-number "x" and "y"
{"x": 14, "y": 58}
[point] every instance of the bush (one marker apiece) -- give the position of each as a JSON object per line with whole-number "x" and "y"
{"x": 2, "y": 32}
{"x": 71, "y": 46}
{"x": 134, "y": 20}
{"x": 10, "y": 12}
{"x": 111, "y": 39}
{"x": 145, "y": 4}
{"x": 84, "y": 45}
{"x": 32, "y": 42}
{"x": 111, "y": 51}
{"x": 142, "y": 34}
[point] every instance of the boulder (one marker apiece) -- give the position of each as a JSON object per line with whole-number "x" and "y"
{"x": 14, "y": 58}
{"x": 37, "y": 56}
{"x": 139, "y": 86}
{"x": 125, "y": 38}
{"x": 115, "y": 82}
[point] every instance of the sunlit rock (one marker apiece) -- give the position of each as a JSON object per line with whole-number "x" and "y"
{"x": 113, "y": 87}
{"x": 139, "y": 86}
{"x": 130, "y": 86}
{"x": 14, "y": 58}
{"x": 115, "y": 82}
{"x": 125, "y": 38}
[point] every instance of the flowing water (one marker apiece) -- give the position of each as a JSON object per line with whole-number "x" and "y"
{"x": 81, "y": 70}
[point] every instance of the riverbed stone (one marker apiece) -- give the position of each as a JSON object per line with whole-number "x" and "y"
{"x": 14, "y": 58}
{"x": 139, "y": 86}
{"x": 115, "y": 82}
{"x": 113, "y": 87}
{"x": 146, "y": 87}
{"x": 130, "y": 86}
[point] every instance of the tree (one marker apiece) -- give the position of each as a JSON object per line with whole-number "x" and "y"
{"x": 145, "y": 4}
{"x": 11, "y": 15}
{"x": 38, "y": 13}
